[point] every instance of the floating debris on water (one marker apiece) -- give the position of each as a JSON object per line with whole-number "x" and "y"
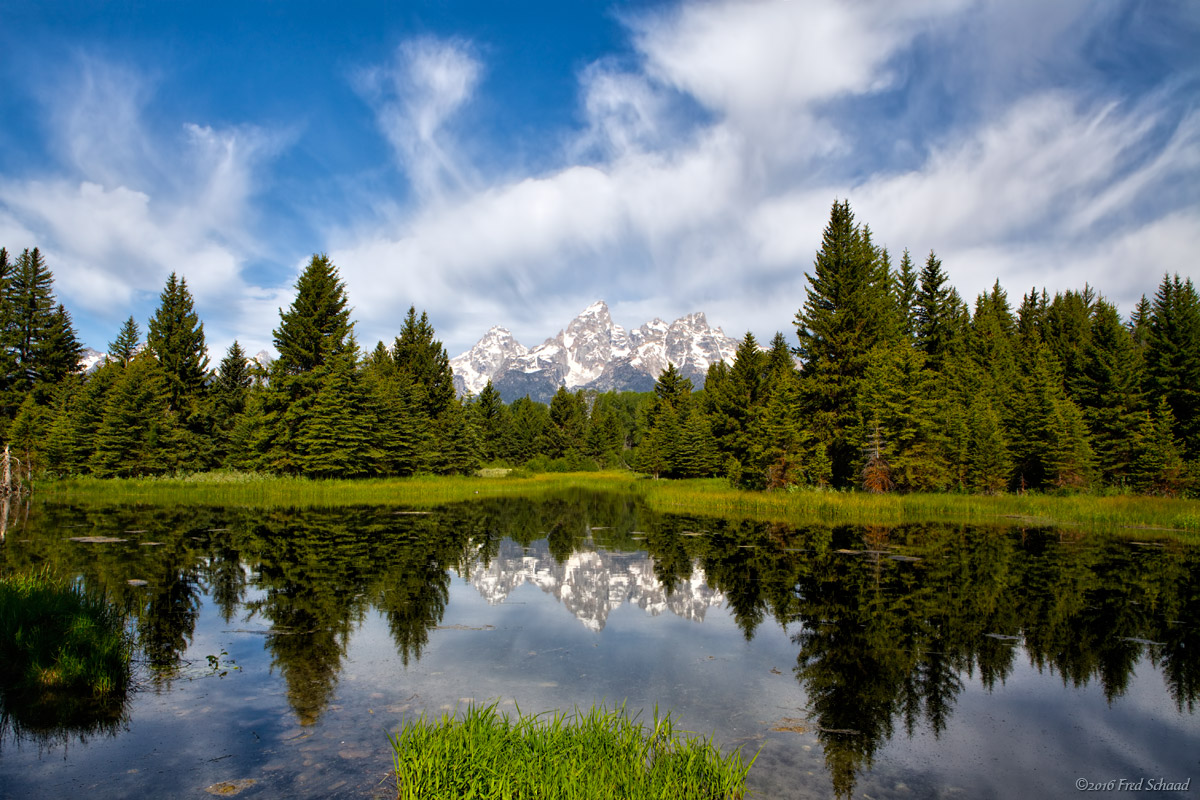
{"x": 230, "y": 788}
{"x": 791, "y": 725}
{"x": 97, "y": 539}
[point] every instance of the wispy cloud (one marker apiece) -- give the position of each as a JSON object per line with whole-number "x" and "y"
{"x": 414, "y": 98}
{"x": 726, "y": 211}
{"x": 128, "y": 205}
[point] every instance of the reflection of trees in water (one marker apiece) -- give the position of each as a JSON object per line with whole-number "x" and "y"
{"x": 880, "y": 642}
{"x": 883, "y": 639}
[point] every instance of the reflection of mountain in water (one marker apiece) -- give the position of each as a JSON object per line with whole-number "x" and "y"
{"x": 591, "y": 583}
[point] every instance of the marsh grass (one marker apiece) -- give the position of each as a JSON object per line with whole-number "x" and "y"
{"x": 701, "y": 496}
{"x": 599, "y": 753}
{"x": 60, "y": 640}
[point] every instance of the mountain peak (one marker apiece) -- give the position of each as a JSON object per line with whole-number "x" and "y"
{"x": 592, "y": 352}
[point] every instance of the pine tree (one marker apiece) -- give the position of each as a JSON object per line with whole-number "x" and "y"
{"x": 990, "y": 343}
{"x": 1109, "y": 392}
{"x": 124, "y": 348}
{"x": 176, "y": 337}
{"x": 568, "y": 416}
{"x": 229, "y": 390}
{"x": 418, "y": 354}
{"x": 1066, "y": 329}
{"x": 317, "y": 325}
{"x": 491, "y": 419}
{"x": 938, "y": 314}
{"x": 988, "y": 463}
{"x": 138, "y": 433}
{"x": 314, "y": 332}
{"x": 905, "y": 289}
{"x": 731, "y": 396}
{"x": 40, "y": 341}
{"x": 62, "y": 351}
{"x": 1173, "y": 357}
{"x": 526, "y": 435}
{"x": 1157, "y": 466}
{"x": 334, "y": 437}
{"x": 845, "y": 316}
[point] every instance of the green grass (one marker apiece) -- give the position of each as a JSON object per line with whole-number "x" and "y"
{"x": 711, "y": 496}
{"x": 1080, "y": 511}
{"x": 58, "y": 639}
{"x": 487, "y": 755}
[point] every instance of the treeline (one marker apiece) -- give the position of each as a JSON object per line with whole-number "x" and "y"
{"x": 894, "y": 383}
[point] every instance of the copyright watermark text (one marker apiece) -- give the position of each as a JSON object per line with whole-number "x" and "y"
{"x": 1127, "y": 785}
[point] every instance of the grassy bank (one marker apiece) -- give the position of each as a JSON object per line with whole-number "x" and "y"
{"x": 715, "y": 497}
{"x": 595, "y": 754}
{"x": 58, "y": 639}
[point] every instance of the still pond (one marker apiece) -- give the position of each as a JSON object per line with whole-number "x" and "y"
{"x": 277, "y": 648}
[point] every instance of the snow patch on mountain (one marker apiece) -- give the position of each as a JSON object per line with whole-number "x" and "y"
{"x": 592, "y": 352}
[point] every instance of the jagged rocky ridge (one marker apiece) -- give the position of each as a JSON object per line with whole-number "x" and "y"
{"x": 591, "y": 583}
{"x": 592, "y": 352}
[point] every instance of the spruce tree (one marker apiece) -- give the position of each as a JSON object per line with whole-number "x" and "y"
{"x": 125, "y": 346}
{"x": 1173, "y": 357}
{"x": 333, "y": 438}
{"x": 568, "y": 419}
{"x": 138, "y": 433}
{"x": 491, "y": 418}
{"x": 317, "y": 324}
{"x": 845, "y": 316}
{"x": 39, "y": 335}
{"x": 313, "y": 332}
{"x": 1109, "y": 392}
{"x": 939, "y": 315}
{"x": 905, "y": 288}
{"x": 176, "y": 337}
{"x": 423, "y": 358}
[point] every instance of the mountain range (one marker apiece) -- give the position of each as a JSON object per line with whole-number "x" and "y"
{"x": 592, "y": 352}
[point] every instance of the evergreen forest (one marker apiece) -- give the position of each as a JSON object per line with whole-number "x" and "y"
{"x": 889, "y": 381}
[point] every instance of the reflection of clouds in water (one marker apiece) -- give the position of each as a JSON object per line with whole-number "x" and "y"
{"x": 591, "y": 583}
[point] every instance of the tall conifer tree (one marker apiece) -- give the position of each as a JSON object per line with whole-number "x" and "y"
{"x": 176, "y": 337}
{"x": 845, "y": 316}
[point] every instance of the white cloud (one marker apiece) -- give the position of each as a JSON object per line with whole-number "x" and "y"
{"x": 724, "y": 212}
{"x": 127, "y": 207}
{"x": 414, "y": 97}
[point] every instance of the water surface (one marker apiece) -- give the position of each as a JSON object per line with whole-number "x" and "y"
{"x": 922, "y": 661}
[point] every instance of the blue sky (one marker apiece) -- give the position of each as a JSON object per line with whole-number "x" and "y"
{"x": 509, "y": 163}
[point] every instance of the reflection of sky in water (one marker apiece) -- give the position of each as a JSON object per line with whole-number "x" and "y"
{"x": 1028, "y": 737}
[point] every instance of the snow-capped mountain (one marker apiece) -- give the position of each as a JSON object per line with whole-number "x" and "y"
{"x": 592, "y": 352}
{"x": 92, "y": 359}
{"x": 591, "y": 583}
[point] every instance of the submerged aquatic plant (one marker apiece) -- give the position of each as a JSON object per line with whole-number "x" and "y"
{"x": 594, "y": 754}
{"x": 56, "y": 637}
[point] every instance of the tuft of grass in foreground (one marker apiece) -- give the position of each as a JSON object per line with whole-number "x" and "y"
{"x": 60, "y": 640}
{"x": 595, "y": 754}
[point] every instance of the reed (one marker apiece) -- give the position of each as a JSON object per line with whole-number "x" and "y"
{"x": 591, "y": 754}
{"x": 716, "y": 497}
{"x": 1130, "y": 513}
{"x": 58, "y": 639}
